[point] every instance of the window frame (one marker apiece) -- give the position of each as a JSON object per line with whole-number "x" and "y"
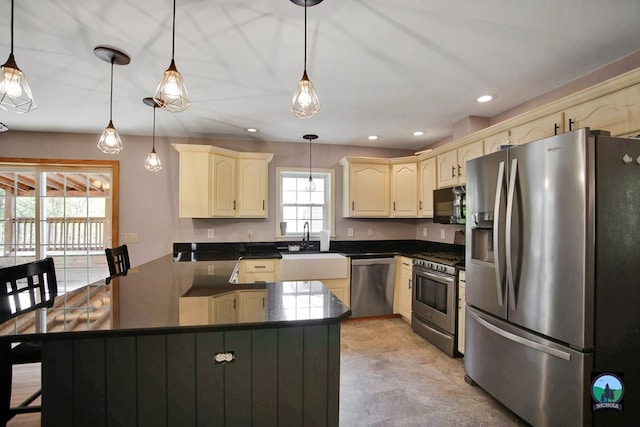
{"x": 329, "y": 176}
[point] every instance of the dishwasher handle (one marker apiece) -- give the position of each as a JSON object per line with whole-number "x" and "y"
{"x": 372, "y": 261}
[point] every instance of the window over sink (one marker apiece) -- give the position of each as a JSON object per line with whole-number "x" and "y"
{"x": 297, "y": 205}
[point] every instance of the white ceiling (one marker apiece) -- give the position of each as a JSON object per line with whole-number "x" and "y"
{"x": 384, "y": 67}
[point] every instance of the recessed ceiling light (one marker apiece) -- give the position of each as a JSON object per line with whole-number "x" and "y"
{"x": 252, "y": 130}
{"x": 418, "y": 133}
{"x": 372, "y": 137}
{"x": 485, "y": 98}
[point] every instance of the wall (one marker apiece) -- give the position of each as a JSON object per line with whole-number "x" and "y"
{"x": 149, "y": 201}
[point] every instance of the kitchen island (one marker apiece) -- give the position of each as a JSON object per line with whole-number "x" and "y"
{"x": 123, "y": 354}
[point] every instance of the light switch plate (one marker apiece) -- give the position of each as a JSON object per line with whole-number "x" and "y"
{"x": 211, "y": 233}
{"x": 443, "y": 234}
{"x": 350, "y": 232}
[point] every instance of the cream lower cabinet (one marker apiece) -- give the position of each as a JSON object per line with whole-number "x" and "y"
{"x": 403, "y": 288}
{"x": 366, "y": 191}
{"x": 341, "y": 288}
{"x": 244, "y": 306}
{"x": 426, "y": 184}
{"x": 462, "y": 284}
{"x": 216, "y": 182}
{"x": 404, "y": 190}
{"x": 452, "y": 165}
{"x": 617, "y": 112}
{"x": 258, "y": 270}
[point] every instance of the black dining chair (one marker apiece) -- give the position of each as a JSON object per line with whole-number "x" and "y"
{"x": 118, "y": 261}
{"x": 24, "y": 288}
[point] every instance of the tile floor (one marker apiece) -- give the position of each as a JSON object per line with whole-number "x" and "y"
{"x": 390, "y": 376}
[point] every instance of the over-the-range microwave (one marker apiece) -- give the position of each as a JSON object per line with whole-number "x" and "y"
{"x": 449, "y": 205}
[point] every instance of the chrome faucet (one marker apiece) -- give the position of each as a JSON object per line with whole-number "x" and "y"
{"x": 305, "y": 236}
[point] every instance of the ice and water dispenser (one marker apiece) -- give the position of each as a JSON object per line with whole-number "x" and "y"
{"x": 482, "y": 236}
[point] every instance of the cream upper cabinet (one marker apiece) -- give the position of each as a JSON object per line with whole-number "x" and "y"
{"x": 366, "y": 188}
{"x": 223, "y": 188}
{"x": 493, "y": 143}
{"x": 543, "y": 127}
{"x": 452, "y": 164}
{"x": 253, "y": 187}
{"x": 617, "y": 112}
{"x": 194, "y": 182}
{"x": 426, "y": 185}
{"x": 404, "y": 189}
{"x": 216, "y": 182}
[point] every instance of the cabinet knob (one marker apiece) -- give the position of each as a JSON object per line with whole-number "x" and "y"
{"x": 571, "y": 122}
{"x": 453, "y": 171}
{"x": 556, "y": 128}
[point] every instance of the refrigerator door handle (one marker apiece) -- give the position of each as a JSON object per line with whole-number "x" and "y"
{"x": 510, "y": 201}
{"x": 496, "y": 232}
{"x": 521, "y": 340}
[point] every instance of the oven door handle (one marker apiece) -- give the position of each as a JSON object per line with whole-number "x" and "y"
{"x": 437, "y": 277}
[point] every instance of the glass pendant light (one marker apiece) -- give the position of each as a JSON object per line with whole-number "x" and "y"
{"x": 305, "y": 102}
{"x": 110, "y": 142}
{"x": 310, "y": 185}
{"x": 171, "y": 94}
{"x": 15, "y": 93}
{"x": 152, "y": 164}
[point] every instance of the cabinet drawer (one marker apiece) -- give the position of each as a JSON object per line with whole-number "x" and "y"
{"x": 259, "y": 265}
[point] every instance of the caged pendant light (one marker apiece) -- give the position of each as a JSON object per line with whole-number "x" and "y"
{"x": 152, "y": 164}
{"x": 15, "y": 93}
{"x": 171, "y": 94}
{"x": 310, "y": 185}
{"x": 110, "y": 142}
{"x": 305, "y": 102}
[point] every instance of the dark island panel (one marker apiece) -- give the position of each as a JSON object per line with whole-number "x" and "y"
{"x": 287, "y": 376}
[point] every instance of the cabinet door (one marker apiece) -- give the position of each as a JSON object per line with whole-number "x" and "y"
{"x": 493, "y": 143}
{"x": 426, "y": 185}
{"x": 447, "y": 169}
{"x": 405, "y": 284}
{"x": 223, "y": 177}
{"x": 252, "y": 188}
{"x": 194, "y": 311}
{"x": 618, "y": 113}
{"x": 404, "y": 190}
{"x": 543, "y": 127}
{"x": 251, "y": 306}
{"x": 341, "y": 288}
{"x": 468, "y": 152}
{"x": 369, "y": 190}
{"x": 223, "y": 308}
{"x": 194, "y": 185}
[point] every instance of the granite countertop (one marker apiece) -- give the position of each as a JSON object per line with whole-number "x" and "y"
{"x": 148, "y": 298}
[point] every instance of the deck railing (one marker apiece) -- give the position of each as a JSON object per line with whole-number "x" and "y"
{"x": 19, "y": 234}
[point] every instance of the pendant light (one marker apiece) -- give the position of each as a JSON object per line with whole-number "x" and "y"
{"x": 15, "y": 93}
{"x": 305, "y": 102}
{"x": 110, "y": 142}
{"x": 171, "y": 94}
{"x": 310, "y": 185}
{"x": 152, "y": 164}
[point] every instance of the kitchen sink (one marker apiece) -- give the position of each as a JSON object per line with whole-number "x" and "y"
{"x": 313, "y": 266}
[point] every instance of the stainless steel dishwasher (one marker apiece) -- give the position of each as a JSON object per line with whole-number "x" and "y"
{"x": 372, "y": 283}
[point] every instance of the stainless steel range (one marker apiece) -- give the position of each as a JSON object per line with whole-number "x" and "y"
{"x": 435, "y": 294}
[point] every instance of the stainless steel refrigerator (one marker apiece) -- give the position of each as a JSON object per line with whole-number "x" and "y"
{"x": 553, "y": 276}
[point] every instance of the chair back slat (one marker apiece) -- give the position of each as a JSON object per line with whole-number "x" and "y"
{"x": 118, "y": 261}
{"x": 27, "y": 287}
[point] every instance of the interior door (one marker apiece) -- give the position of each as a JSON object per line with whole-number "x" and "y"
{"x": 547, "y": 245}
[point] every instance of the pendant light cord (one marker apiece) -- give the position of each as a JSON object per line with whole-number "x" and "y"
{"x": 111, "y": 92}
{"x": 12, "y": 26}
{"x": 153, "y": 138}
{"x": 173, "y": 40}
{"x": 310, "y": 159}
{"x": 305, "y": 36}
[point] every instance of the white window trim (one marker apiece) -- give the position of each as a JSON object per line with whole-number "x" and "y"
{"x": 330, "y": 207}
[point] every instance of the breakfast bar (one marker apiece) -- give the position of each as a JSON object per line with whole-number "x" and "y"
{"x": 174, "y": 343}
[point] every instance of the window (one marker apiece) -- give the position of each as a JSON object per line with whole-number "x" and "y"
{"x": 296, "y": 205}
{"x": 62, "y": 211}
